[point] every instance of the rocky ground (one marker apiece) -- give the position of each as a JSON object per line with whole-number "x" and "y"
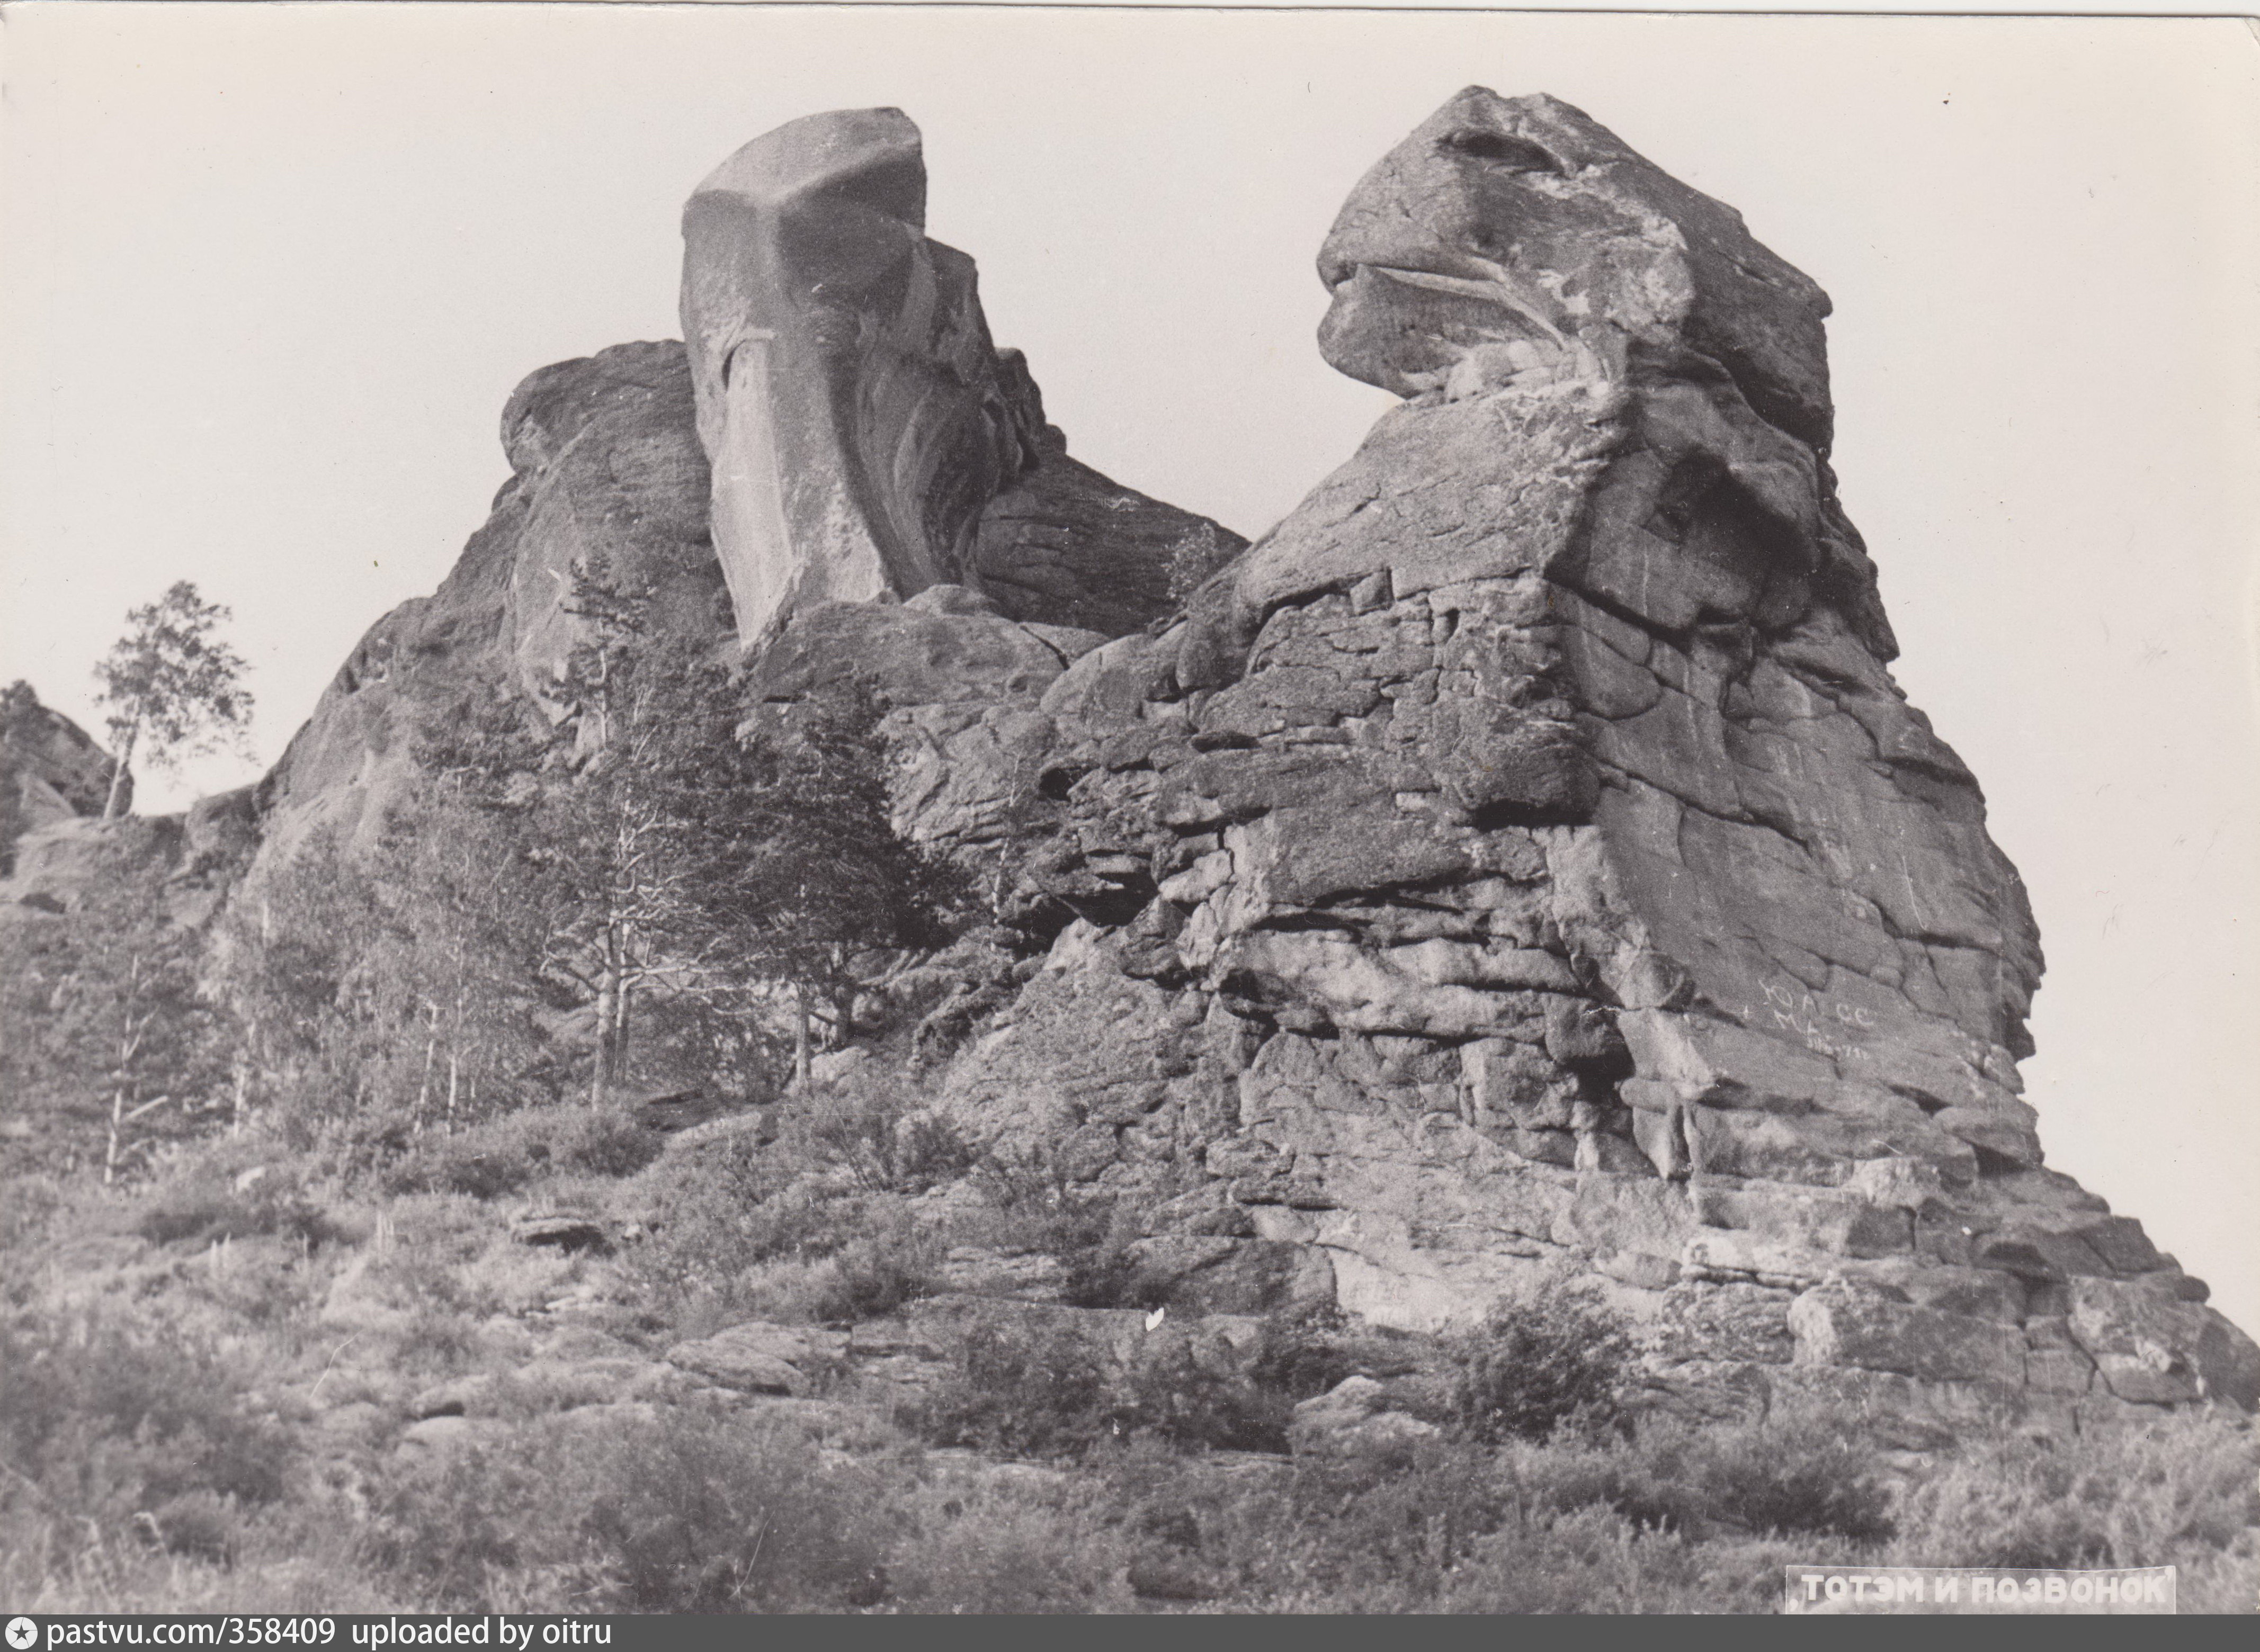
{"x": 825, "y": 1358}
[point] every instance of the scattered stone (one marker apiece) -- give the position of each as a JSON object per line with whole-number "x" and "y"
{"x": 573, "y": 1235}
{"x": 765, "y": 1358}
{"x": 1347, "y": 1420}
{"x": 448, "y": 1433}
{"x": 1034, "y": 1276}
{"x": 1162, "y": 1574}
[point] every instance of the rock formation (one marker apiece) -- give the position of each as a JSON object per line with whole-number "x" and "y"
{"x": 51, "y": 771}
{"x": 917, "y": 454}
{"x": 605, "y": 465}
{"x": 55, "y": 846}
{"x": 869, "y": 440}
{"x": 1519, "y": 860}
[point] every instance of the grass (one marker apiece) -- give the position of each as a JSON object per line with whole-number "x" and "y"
{"x": 206, "y": 1383}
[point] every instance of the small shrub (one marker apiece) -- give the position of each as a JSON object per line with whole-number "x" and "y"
{"x": 740, "y": 1233}
{"x": 1301, "y": 1357}
{"x": 1021, "y": 1393}
{"x": 199, "y": 1526}
{"x": 1194, "y": 1409}
{"x": 687, "y": 1514}
{"x": 207, "y": 1206}
{"x": 1033, "y": 1206}
{"x": 1362, "y": 1535}
{"x": 885, "y": 1261}
{"x": 1556, "y": 1355}
{"x": 878, "y": 1274}
{"x": 996, "y": 1553}
{"x": 1789, "y": 1475}
{"x": 506, "y": 1154}
{"x": 879, "y": 1132}
{"x": 107, "y": 1421}
{"x": 2143, "y": 1493}
{"x": 1104, "y": 1275}
{"x": 606, "y": 1145}
{"x": 1044, "y": 1390}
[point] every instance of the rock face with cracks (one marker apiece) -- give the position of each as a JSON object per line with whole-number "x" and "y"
{"x": 1521, "y": 858}
{"x": 860, "y": 423}
{"x": 1519, "y": 861}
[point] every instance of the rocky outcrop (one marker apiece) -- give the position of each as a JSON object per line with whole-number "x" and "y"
{"x": 55, "y": 847}
{"x": 1520, "y": 862}
{"x": 605, "y": 467}
{"x": 1522, "y": 857}
{"x": 50, "y": 770}
{"x": 831, "y": 344}
{"x": 867, "y": 440}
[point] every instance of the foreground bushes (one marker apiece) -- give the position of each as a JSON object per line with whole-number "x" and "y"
{"x": 107, "y": 1426}
{"x": 508, "y": 1153}
{"x": 1788, "y": 1476}
{"x": 1555, "y": 1356}
{"x": 693, "y": 1513}
{"x": 150, "y": 1469}
{"x": 2114, "y": 1498}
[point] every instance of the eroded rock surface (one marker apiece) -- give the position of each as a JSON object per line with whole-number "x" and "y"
{"x": 605, "y": 467}
{"x": 868, "y": 439}
{"x": 1522, "y": 857}
{"x": 1518, "y": 861}
{"x": 50, "y": 770}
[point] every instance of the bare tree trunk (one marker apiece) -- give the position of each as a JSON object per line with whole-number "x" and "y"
{"x": 624, "y": 1007}
{"x": 800, "y": 1063}
{"x": 117, "y": 1133}
{"x": 129, "y": 1045}
{"x": 117, "y": 774}
{"x": 608, "y": 1001}
{"x": 424, "y": 1085}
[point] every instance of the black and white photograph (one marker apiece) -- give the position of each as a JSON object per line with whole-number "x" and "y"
{"x": 990, "y": 810}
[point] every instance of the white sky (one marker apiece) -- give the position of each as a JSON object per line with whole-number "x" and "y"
{"x": 268, "y": 274}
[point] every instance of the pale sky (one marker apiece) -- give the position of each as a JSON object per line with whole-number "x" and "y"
{"x": 268, "y": 274}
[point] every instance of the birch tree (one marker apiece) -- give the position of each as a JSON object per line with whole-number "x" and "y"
{"x": 172, "y": 690}
{"x": 109, "y": 1038}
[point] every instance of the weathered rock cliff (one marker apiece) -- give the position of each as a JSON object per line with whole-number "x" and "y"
{"x": 1522, "y": 857}
{"x": 604, "y": 463}
{"x": 1518, "y": 859}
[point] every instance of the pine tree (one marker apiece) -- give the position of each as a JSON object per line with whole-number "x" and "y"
{"x": 675, "y": 865}
{"x": 812, "y": 877}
